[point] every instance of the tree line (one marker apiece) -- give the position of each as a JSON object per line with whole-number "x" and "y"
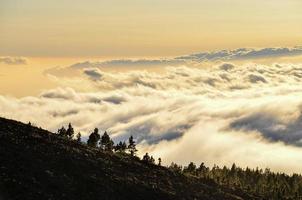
{"x": 105, "y": 143}
{"x": 263, "y": 183}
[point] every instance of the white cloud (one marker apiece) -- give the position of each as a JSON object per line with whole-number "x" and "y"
{"x": 223, "y": 114}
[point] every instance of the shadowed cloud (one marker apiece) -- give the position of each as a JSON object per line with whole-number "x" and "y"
{"x": 129, "y": 63}
{"x": 272, "y": 128}
{"x": 243, "y": 53}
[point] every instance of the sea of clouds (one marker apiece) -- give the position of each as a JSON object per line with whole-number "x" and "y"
{"x": 249, "y": 114}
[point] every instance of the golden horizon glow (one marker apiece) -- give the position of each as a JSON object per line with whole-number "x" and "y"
{"x": 143, "y": 28}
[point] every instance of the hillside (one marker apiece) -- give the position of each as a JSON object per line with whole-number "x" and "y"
{"x": 37, "y": 164}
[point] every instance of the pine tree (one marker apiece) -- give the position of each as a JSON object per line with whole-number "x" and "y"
{"x": 146, "y": 158}
{"x": 176, "y": 168}
{"x": 93, "y": 139}
{"x": 62, "y": 132}
{"x": 191, "y": 168}
{"x": 123, "y": 147}
{"x": 120, "y": 147}
{"x": 29, "y": 126}
{"x": 132, "y": 146}
{"x": 110, "y": 146}
{"x": 78, "y": 137}
{"x": 70, "y": 131}
{"x": 105, "y": 139}
{"x": 152, "y": 160}
{"x": 106, "y": 143}
{"x": 117, "y": 147}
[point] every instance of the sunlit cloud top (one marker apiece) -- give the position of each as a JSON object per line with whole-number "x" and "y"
{"x": 222, "y": 114}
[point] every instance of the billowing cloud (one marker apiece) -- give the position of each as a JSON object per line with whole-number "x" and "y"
{"x": 13, "y": 60}
{"x": 248, "y": 114}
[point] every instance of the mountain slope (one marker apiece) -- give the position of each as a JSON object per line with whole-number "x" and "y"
{"x": 37, "y": 164}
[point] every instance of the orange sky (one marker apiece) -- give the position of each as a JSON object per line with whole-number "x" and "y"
{"x": 118, "y": 28}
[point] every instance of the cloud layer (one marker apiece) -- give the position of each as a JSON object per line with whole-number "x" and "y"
{"x": 13, "y": 60}
{"x": 130, "y": 63}
{"x": 243, "y": 54}
{"x": 196, "y": 58}
{"x": 248, "y": 114}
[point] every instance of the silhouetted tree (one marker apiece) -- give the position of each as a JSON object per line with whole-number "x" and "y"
{"x": 159, "y": 161}
{"x": 70, "y": 131}
{"x": 105, "y": 139}
{"x": 123, "y": 147}
{"x": 117, "y": 147}
{"x": 120, "y": 147}
{"x": 152, "y": 160}
{"x": 110, "y": 146}
{"x": 62, "y": 132}
{"x": 78, "y": 137}
{"x": 29, "y": 126}
{"x": 94, "y": 137}
{"x": 191, "y": 168}
{"x": 174, "y": 167}
{"x": 202, "y": 170}
{"x": 146, "y": 158}
{"x": 132, "y": 146}
{"x": 106, "y": 143}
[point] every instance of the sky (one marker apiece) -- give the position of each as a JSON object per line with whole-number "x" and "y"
{"x": 192, "y": 80}
{"x": 119, "y": 28}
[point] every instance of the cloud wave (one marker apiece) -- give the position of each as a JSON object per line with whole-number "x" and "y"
{"x": 248, "y": 114}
